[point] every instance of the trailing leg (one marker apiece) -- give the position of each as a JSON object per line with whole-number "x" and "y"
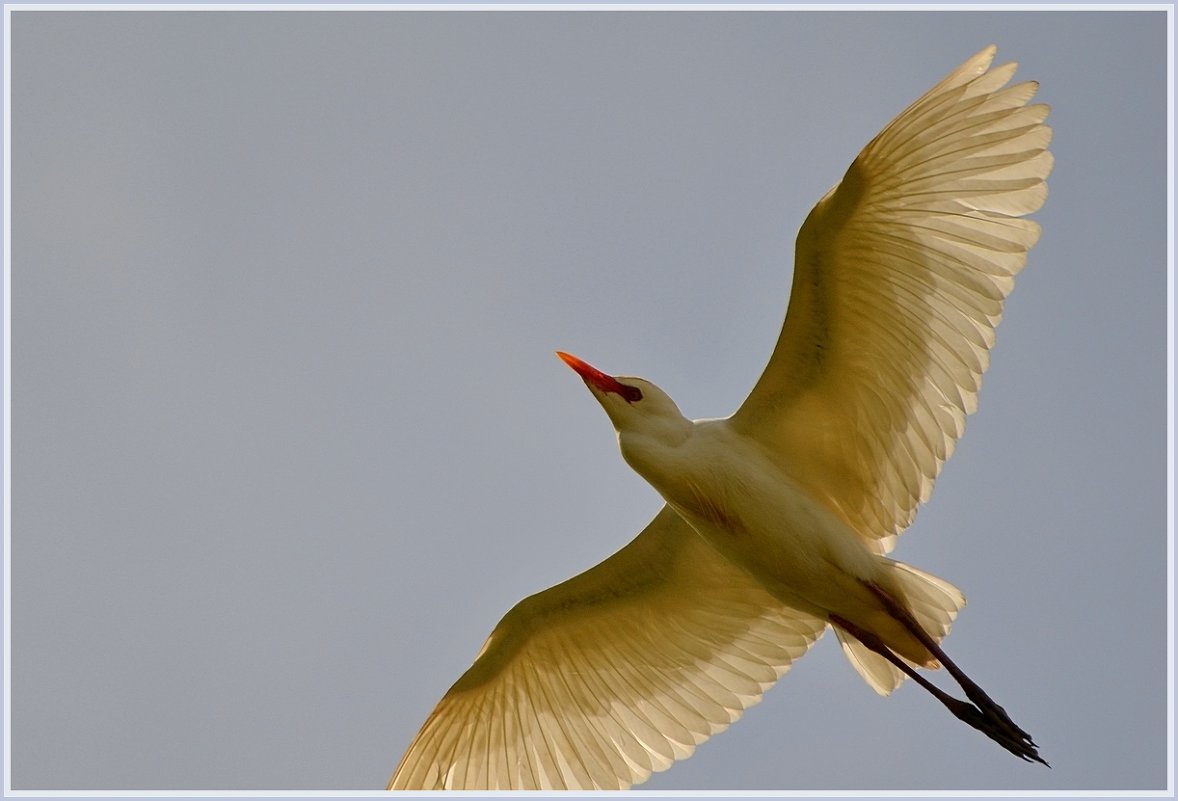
{"x": 994, "y": 728}
{"x": 971, "y": 688}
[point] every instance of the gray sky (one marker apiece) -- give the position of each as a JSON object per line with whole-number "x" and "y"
{"x": 289, "y": 436}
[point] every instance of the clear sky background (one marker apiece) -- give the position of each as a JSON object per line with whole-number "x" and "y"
{"x": 289, "y": 435}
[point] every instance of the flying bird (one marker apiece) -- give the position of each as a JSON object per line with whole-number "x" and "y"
{"x": 778, "y": 519}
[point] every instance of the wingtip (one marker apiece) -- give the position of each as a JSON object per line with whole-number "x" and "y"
{"x": 984, "y": 58}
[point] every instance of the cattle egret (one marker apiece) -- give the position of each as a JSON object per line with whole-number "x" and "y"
{"x": 777, "y": 519}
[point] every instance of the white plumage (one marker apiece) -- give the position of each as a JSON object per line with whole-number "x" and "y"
{"x": 777, "y": 519}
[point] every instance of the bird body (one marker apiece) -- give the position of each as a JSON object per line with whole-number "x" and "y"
{"x": 778, "y": 519}
{"x": 754, "y": 513}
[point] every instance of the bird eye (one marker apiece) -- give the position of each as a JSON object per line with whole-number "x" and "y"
{"x": 630, "y": 394}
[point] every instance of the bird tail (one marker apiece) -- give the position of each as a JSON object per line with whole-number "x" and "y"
{"x": 934, "y": 604}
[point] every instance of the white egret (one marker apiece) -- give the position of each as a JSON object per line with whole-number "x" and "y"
{"x": 778, "y": 518}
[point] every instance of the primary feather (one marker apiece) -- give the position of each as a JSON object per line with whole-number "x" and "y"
{"x": 900, "y": 275}
{"x": 597, "y": 682}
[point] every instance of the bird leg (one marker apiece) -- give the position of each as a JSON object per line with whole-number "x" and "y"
{"x": 972, "y": 690}
{"x": 987, "y": 724}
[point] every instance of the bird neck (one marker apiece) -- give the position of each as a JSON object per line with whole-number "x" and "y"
{"x": 652, "y": 448}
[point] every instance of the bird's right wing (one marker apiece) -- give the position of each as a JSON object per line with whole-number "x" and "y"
{"x": 614, "y": 674}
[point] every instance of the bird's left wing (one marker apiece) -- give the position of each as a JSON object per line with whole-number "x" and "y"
{"x": 900, "y": 275}
{"x": 614, "y": 674}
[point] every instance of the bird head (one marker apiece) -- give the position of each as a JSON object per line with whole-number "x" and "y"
{"x": 631, "y": 403}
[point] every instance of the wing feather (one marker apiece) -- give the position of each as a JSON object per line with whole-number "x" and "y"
{"x": 612, "y": 675}
{"x": 900, "y": 276}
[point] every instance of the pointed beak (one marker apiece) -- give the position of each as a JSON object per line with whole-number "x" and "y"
{"x": 593, "y": 377}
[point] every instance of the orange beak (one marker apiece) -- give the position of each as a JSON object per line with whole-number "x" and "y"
{"x": 594, "y": 377}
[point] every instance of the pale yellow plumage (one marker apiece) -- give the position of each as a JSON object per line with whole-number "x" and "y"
{"x": 899, "y": 280}
{"x": 599, "y": 681}
{"x": 899, "y": 277}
